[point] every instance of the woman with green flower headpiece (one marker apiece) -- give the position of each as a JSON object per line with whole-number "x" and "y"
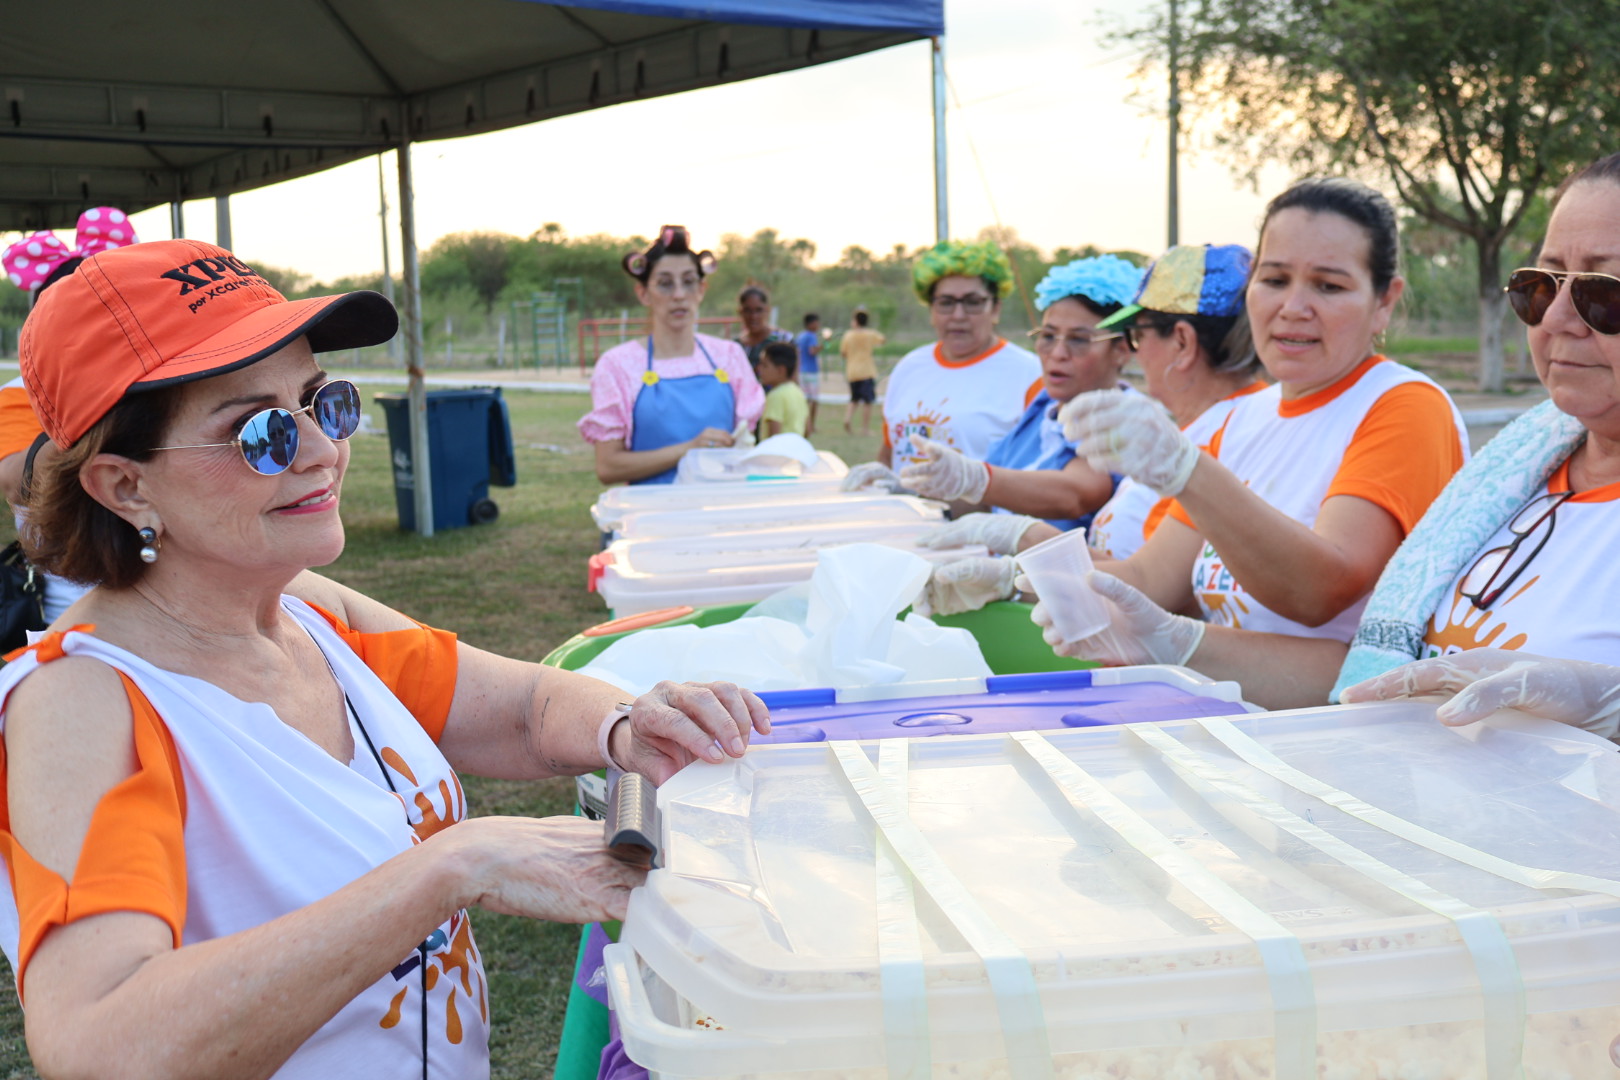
{"x": 1032, "y": 472}
{"x": 967, "y": 389}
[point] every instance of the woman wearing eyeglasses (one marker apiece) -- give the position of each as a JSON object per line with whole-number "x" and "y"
{"x": 969, "y": 388}
{"x": 236, "y": 841}
{"x": 1518, "y": 553}
{"x": 1185, "y": 327}
{"x": 676, "y": 390}
{"x": 1281, "y": 527}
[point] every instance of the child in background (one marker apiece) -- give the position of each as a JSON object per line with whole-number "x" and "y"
{"x": 809, "y": 343}
{"x": 786, "y": 409}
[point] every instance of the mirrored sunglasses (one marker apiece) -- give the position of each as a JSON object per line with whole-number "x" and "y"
{"x": 269, "y": 439}
{"x": 1595, "y": 297}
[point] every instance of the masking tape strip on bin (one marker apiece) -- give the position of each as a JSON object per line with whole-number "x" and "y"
{"x": 1292, "y": 993}
{"x": 900, "y": 959}
{"x": 1480, "y": 931}
{"x": 1012, "y": 980}
{"x": 1532, "y": 877}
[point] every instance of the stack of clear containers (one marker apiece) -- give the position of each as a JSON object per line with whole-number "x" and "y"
{"x": 1326, "y": 894}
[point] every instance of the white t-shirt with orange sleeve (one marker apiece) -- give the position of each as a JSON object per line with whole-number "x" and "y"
{"x": 964, "y": 404}
{"x": 234, "y": 818}
{"x": 1384, "y": 433}
{"x": 1560, "y": 602}
{"x": 1133, "y": 513}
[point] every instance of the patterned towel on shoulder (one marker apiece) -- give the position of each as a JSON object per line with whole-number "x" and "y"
{"x": 1489, "y": 490}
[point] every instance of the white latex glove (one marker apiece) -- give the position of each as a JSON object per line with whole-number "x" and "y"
{"x": 946, "y": 474}
{"x": 999, "y": 533}
{"x": 870, "y": 476}
{"x": 965, "y": 585}
{"x": 1124, "y": 432}
{"x": 1481, "y": 681}
{"x": 743, "y": 436}
{"x": 1138, "y": 632}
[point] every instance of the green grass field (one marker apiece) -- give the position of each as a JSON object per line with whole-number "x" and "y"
{"x": 516, "y": 587}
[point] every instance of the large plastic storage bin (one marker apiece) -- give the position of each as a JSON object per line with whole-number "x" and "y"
{"x": 470, "y": 444}
{"x": 1011, "y": 644}
{"x": 810, "y": 519}
{"x": 614, "y": 504}
{"x": 639, "y": 575}
{"x": 725, "y": 465}
{"x": 1351, "y": 892}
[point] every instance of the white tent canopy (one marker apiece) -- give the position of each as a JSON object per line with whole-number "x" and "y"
{"x": 136, "y": 105}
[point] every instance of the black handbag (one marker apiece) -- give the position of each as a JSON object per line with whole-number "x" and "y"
{"x": 22, "y": 598}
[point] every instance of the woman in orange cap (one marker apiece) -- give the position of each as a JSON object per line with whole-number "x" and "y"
{"x": 236, "y": 836}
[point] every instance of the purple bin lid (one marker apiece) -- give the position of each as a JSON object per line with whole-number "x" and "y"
{"x": 1031, "y": 702}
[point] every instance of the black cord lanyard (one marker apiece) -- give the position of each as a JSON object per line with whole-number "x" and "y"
{"x": 421, "y": 950}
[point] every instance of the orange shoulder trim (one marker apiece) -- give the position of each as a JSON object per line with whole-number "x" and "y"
{"x": 134, "y": 855}
{"x": 19, "y": 427}
{"x": 419, "y": 665}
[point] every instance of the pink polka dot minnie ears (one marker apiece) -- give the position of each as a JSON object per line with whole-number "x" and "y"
{"x": 672, "y": 240}
{"x": 29, "y": 262}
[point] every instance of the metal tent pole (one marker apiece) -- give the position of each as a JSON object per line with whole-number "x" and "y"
{"x": 177, "y": 221}
{"x": 942, "y": 219}
{"x": 222, "y": 221}
{"x": 421, "y": 467}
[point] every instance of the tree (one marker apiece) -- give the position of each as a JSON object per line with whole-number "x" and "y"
{"x": 480, "y": 259}
{"x": 1468, "y": 108}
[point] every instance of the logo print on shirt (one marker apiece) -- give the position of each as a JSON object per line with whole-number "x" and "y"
{"x": 1218, "y": 591}
{"x": 452, "y": 951}
{"x": 1467, "y": 627}
{"x": 928, "y": 425}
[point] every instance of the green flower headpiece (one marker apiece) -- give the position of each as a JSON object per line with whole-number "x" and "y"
{"x": 954, "y": 258}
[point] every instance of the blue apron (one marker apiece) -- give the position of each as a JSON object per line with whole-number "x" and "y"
{"x": 1037, "y": 442}
{"x": 670, "y": 411}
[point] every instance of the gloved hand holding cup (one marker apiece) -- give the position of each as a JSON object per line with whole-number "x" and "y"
{"x": 1057, "y": 570}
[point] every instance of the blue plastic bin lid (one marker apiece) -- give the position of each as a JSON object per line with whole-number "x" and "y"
{"x": 1035, "y": 702}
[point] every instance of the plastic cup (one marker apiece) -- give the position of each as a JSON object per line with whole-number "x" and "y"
{"x": 1057, "y": 570}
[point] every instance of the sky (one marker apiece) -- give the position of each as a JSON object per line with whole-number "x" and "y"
{"x": 1047, "y": 133}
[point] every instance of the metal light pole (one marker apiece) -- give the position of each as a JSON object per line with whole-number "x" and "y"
{"x": 222, "y": 221}
{"x": 1175, "y": 127}
{"x": 942, "y": 222}
{"x": 177, "y": 220}
{"x": 388, "y": 273}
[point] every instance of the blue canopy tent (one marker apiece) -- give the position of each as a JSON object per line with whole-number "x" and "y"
{"x": 137, "y": 105}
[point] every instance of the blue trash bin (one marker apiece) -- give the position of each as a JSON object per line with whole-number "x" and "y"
{"x": 470, "y": 445}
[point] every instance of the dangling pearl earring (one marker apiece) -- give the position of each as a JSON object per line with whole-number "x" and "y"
{"x": 148, "y": 537}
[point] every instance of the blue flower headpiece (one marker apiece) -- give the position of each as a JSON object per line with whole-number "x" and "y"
{"x": 1107, "y": 279}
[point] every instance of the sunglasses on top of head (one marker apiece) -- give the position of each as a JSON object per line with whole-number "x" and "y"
{"x": 269, "y": 439}
{"x": 1595, "y": 297}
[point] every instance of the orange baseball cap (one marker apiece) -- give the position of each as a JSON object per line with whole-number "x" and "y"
{"x": 166, "y": 312}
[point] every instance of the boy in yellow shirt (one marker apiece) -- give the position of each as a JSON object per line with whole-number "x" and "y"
{"x": 786, "y": 407}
